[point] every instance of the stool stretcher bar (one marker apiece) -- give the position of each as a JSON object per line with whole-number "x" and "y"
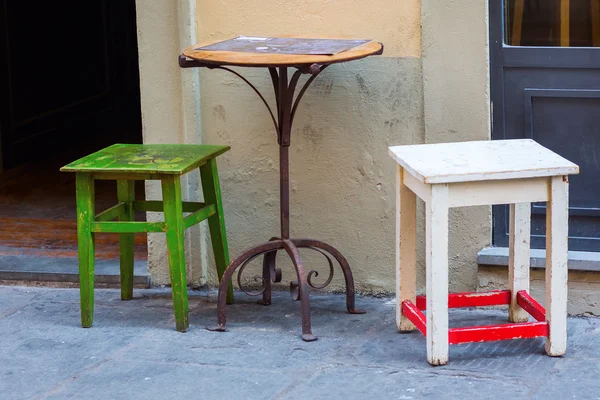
{"x": 199, "y": 215}
{"x": 529, "y": 304}
{"x": 488, "y": 333}
{"x": 472, "y": 299}
{"x": 110, "y": 213}
{"x": 128, "y": 227}
{"x": 199, "y": 212}
{"x": 415, "y": 316}
{"x": 157, "y": 206}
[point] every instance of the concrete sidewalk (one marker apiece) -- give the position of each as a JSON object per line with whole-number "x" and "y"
{"x": 133, "y": 352}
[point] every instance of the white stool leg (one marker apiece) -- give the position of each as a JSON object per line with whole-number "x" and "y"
{"x": 518, "y": 257}
{"x": 557, "y": 223}
{"x": 437, "y": 275}
{"x": 406, "y": 242}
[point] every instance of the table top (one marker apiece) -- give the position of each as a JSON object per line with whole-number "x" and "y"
{"x": 147, "y": 158}
{"x": 268, "y": 59}
{"x": 481, "y": 160}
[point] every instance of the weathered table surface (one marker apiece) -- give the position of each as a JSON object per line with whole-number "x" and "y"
{"x": 481, "y": 160}
{"x": 254, "y": 59}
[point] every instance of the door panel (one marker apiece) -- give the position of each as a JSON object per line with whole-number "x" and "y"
{"x": 552, "y": 95}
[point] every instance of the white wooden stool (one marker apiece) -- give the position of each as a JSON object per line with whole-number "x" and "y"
{"x": 515, "y": 172}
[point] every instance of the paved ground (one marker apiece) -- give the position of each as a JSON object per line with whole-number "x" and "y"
{"x": 133, "y": 352}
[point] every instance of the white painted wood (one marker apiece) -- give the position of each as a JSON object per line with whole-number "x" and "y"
{"x": 518, "y": 257}
{"x": 557, "y": 223}
{"x": 480, "y": 160}
{"x": 516, "y": 172}
{"x": 406, "y": 254}
{"x": 436, "y": 243}
{"x": 498, "y": 192}
{"x": 421, "y": 189}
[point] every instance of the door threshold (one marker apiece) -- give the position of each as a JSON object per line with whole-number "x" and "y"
{"x": 65, "y": 269}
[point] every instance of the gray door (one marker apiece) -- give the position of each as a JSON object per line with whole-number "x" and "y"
{"x": 545, "y": 85}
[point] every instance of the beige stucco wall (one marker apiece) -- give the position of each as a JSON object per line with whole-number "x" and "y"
{"x": 342, "y": 179}
{"x": 431, "y": 85}
{"x": 457, "y": 108}
{"x": 170, "y": 113}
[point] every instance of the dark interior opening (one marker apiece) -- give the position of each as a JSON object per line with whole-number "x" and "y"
{"x": 69, "y": 79}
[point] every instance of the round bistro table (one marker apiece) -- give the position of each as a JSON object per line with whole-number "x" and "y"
{"x": 278, "y": 65}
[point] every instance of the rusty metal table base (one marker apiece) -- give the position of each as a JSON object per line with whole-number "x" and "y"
{"x": 286, "y": 109}
{"x": 299, "y": 289}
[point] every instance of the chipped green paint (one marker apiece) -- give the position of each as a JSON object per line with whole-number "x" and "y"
{"x": 128, "y": 227}
{"x": 147, "y": 158}
{"x": 84, "y": 187}
{"x": 126, "y": 163}
{"x": 110, "y": 213}
{"x": 199, "y": 215}
{"x": 126, "y": 196}
{"x": 211, "y": 188}
{"x": 173, "y": 209}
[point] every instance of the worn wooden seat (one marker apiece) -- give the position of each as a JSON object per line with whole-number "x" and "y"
{"x": 515, "y": 172}
{"x": 126, "y": 163}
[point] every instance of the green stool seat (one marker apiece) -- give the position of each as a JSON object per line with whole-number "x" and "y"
{"x": 126, "y": 163}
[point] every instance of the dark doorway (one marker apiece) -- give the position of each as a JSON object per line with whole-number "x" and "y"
{"x": 545, "y": 85}
{"x": 69, "y": 82}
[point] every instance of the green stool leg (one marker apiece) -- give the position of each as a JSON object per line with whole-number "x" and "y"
{"x": 126, "y": 194}
{"x": 212, "y": 195}
{"x": 84, "y": 184}
{"x": 173, "y": 209}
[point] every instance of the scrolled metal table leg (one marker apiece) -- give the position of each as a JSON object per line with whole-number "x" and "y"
{"x": 241, "y": 260}
{"x": 299, "y": 288}
{"x": 270, "y": 274}
{"x": 350, "y": 294}
{"x": 268, "y": 266}
{"x": 302, "y": 289}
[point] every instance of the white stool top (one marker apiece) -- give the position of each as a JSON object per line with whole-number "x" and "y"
{"x": 480, "y": 161}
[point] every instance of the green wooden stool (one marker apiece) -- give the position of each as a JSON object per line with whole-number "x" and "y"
{"x": 126, "y": 163}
